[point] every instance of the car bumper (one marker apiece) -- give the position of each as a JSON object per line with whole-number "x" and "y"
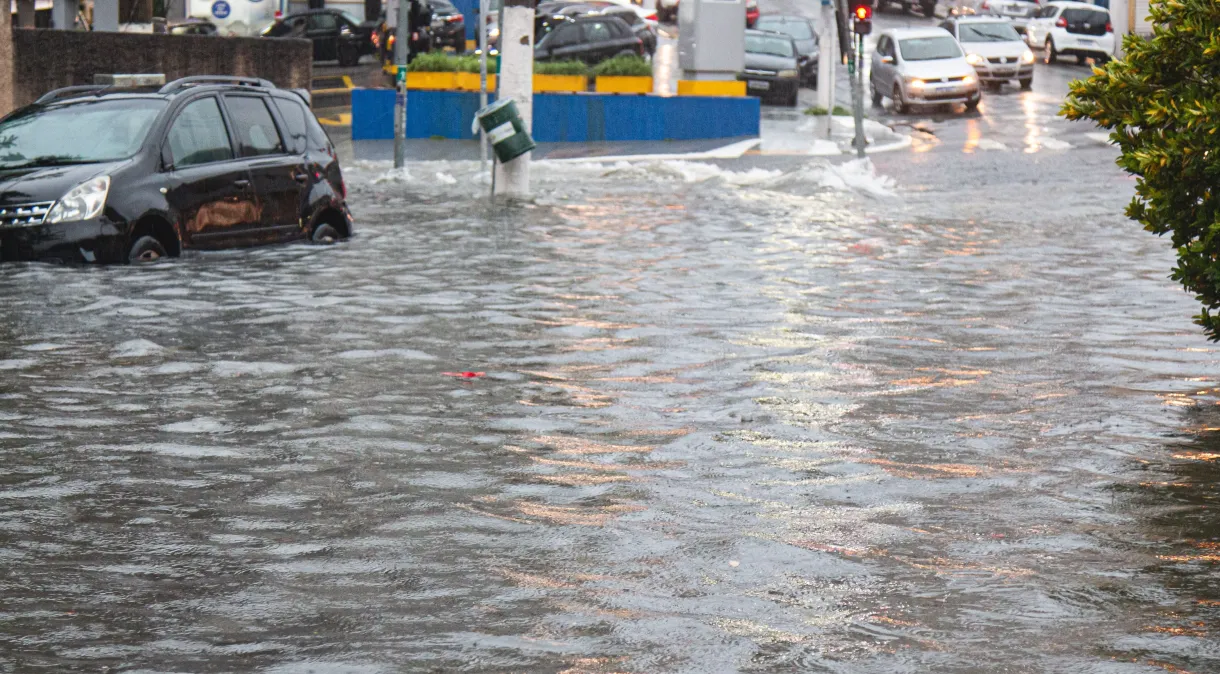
{"x": 770, "y": 87}
{"x": 86, "y": 241}
{"x": 1100, "y": 44}
{"x": 932, "y": 96}
{"x": 1004, "y": 72}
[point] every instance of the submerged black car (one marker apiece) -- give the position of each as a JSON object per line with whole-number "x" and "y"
{"x": 771, "y": 69}
{"x": 803, "y": 35}
{"x": 93, "y": 174}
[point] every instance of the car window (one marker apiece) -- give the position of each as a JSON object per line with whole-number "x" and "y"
{"x": 1076, "y": 16}
{"x": 198, "y": 135}
{"x": 564, "y": 36}
{"x": 797, "y": 30}
{"x": 999, "y": 31}
{"x": 769, "y": 45}
{"x": 323, "y": 22}
{"x": 597, "y": 31}
{"x": 295, "y": 127}
{"x": 929, "y": 48}
{"x": 1048, "y": 12}
{"x": 256, "y": 134}
{"x": 81, "y": 131}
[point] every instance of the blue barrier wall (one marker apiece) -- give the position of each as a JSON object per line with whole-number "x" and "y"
{"x": 563, "y": 117}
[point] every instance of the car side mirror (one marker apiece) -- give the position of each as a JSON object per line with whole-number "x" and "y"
{"x": 887, "y": 59}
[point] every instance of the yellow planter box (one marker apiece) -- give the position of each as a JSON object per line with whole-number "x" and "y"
{"x": 420, "y": 80}
{"x": 560, "y": 83}
{"x": 470, "y": 81}
{"x": 623, "y": 85}
{"x": 711, "y": 88}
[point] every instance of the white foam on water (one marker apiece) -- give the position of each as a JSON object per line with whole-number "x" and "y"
{"x": 989, "y": 144}
{"x": 235, "y": 368}
{"x": 1055, "y": 144}
{"x": 179, "y": 368}
{"x": 183, "y": 451}
{"x": 199, "y": 425}
{"x": 136, "y": 348}
{"x": 369, "y": 354}
{"x": 43, "y": 346}
{"x": 17, "y": 363}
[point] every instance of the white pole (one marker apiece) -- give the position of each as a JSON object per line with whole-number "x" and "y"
{"x": 828, "y": 57}
{"x": 402, "y": 46}
{"x": 1120, "y": 20}
{"x": 482, "y": 28}
{"x": 517, "y": 82}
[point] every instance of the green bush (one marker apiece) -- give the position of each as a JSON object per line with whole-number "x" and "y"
{"x": 628, "y": 65}
{"x": 434, "y": 62}
{"x": 560, "y": 68}
{"x": 470, "y": 64}
{"x": 1162, "y": 103}
{"x": 839, "y": 111}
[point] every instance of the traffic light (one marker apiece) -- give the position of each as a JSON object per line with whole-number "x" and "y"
{"x": 862, "y": 16}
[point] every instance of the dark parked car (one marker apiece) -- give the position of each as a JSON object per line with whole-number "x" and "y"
{"x": 803, "y": 36}
{"x": 574, "y": 9}
{"x": 97, "y": 174}
{"x": 591, "y": 39}
{"x": 335, "y": 35}
{"x": 194, "y": 27}
{"x": 448, "y": 26}
{"x": 770, "y": 67}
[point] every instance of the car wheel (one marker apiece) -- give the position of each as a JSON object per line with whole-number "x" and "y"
{"x": 973, "y": 104}
{"x": 324, "y": 233}
{"x": 145, "y": 249}
{"x": 792, "y": 99}
{"x": 1081, "y": 59}
{"x": 1027, "y": 84}
{"x": 1101, "y": 59}
{"x": 900, "y": 105}
{"x": 1052, "y": 56}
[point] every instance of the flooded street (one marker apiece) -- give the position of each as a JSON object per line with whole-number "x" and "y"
{"x": 772, "y": 415}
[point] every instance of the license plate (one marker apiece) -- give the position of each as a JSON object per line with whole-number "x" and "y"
{"x": 1088, "y": 42}
{"x": 756, "y": 84}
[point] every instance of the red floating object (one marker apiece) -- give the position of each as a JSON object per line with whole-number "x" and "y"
{"x": 464, "y": 375}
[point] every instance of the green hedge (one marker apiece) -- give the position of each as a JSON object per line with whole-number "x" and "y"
{"x": 442, "y": 62}
{"x": 623, "y": 66}
{"x": 560, "y": 68}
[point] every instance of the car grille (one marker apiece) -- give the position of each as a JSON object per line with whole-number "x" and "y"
{"x": 942, "y": 80}
{"x": 24, "y": 215}
{"x": 1003, "y": 59}
{"x": 760, "y": 73}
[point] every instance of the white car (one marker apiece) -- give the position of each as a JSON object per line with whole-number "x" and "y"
{"x": 1018, "y": 11}
{"x": 994, "y": 48}
{"x": 1072, "y": 29}
{"x": 922, "y": 66}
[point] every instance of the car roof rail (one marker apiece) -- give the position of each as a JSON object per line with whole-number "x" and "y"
{"x": 198, "y": 80}
{"x": 305, "y": 96}
{"x": 67, "y": 92}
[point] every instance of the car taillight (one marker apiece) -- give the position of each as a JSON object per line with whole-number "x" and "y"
{"x": 343, "y": 187}
{"x": 453, "y": 19}
{"x": 1062, "y": 22}
{"x": 390, "y": 42}
{"x": 984, "y": 5}
{"x": 1109, "y": 27}
{"x": 651, "y": 17}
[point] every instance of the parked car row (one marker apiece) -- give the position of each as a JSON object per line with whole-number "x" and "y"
{"x": 667, "y": 11}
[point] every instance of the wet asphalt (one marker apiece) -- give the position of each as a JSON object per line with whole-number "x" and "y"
{"x": 941, "y": 414}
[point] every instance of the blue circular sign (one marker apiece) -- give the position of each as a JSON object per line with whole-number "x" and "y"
{"x": 221, "y": 9}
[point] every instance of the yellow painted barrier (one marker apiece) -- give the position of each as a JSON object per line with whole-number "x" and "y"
{"x": 560, "y": 83}
{"x": 711, "y": 88}
{"x": 423, "y": 80}
{"x": 606, "y": 84}
{"x": 470, "y": 81}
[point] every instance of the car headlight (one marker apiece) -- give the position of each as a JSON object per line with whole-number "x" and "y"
{"x": 968, "y": 80}
{"x": 786, "y": 74}
{"x": 975, "y": 59}
{"x": 83, "y": 202}
{"x": 493, "y": 34}
{"x": 1027, "y": 57}
{"x": 915, "y": 83}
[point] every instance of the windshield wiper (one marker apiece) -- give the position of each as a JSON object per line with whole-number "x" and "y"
{"x": 42, "y": 162}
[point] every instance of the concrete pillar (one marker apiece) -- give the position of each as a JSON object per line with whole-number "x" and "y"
{"x": 105, "y": 16}
{"x": 828, "y": 56}
{"x": 517, "y": 82}
{"x": 63, "y": 14}
{"x": 1120, "y": 20}
{"x": 6, "y": 62}
{"x": 25, "y": 13}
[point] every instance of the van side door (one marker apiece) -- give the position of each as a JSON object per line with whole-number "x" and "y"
{"x": 279, "y": 177}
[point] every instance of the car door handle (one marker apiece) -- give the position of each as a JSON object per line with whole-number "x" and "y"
{"x": 241, "y": 183}
{"x": 301, "y": 177}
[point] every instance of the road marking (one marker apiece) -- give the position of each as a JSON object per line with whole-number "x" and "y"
{"x": 341, "y": 119}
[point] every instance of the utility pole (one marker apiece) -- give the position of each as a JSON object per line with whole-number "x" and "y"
{"x": 6, "y": 63}
{"x": 862, "y": 24}
{"x": 482, "y": 28}
{"x": 402, "y": 47}
{"x": 827, "y": 57}
{"x": 517, "y": 82}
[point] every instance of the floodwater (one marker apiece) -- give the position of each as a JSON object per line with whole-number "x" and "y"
{"x": 949, "y": 417}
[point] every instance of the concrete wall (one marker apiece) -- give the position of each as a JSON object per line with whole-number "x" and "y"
{"x": 48, "y": 59}
{"x": 6, "y": 63}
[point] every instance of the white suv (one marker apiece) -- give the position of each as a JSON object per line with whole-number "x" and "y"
{"x": 1072, "y": 28}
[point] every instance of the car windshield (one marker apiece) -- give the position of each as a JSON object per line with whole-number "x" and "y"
{"x": 351, "y": 17}
{"x": 79, "y": 132}
{"x": 771, "y": 46}
{"x": 987, "y": 32}
{"x": 797, "y": 30}
{"x": 929, "y": 48}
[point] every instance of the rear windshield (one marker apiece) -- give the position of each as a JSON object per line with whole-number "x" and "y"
{"x": 999, "y": 31}
{"x": 929, "y": 48}
{"x": 772, "y": 46}
{"x": 1075, "y": 16}
{"x": 78, "y": 132}
{"x": 797, "y": 30}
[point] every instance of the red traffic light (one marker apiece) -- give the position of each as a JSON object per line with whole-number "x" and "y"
{"x": 864, "y": 13}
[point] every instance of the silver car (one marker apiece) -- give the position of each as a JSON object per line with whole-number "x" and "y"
{"x": 1020, "y": 12}
{"x": 922, "y": 66}
{"x": 995, "y": 50}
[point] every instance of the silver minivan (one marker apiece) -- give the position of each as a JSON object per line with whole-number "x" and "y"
{"x": 922, "y": 66}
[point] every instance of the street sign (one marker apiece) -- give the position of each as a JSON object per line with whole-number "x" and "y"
{"x": 221, "y": 9}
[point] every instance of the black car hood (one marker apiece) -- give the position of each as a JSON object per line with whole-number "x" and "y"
{"x": 22, "y": 186}
{"x": 769, "y": 62}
